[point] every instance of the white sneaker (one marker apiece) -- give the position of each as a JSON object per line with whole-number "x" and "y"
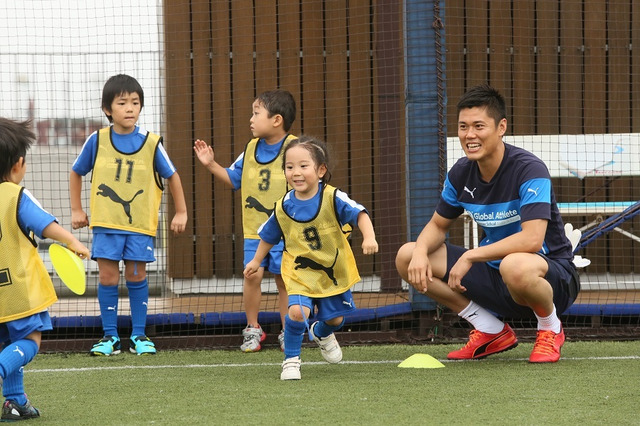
{"x": 291, "y": 369}
{"x": 252, "y": 339}
{"x": 329, "y": 347}
{"x": 281, "y": 340}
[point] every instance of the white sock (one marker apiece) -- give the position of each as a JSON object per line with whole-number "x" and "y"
{"x": 481, "y": 319}
{"x": 552, "y": 322}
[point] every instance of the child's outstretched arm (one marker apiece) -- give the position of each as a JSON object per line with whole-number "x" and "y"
{"x": 58, "y": 233}
{"x": 369, "y": 243}
{"x": 179, "y": 221}
{"x": 79, "y": 218}
{"x": 206, "y": 156}
{"x": 253, "y": 266}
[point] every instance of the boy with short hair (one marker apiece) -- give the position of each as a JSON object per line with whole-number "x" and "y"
{"x": 258, "y": 171}
{"x": 128, "y": 165}
{"x": 26, "y": 290}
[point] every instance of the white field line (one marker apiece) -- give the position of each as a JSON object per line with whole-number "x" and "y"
{"x": 267, "y": 364}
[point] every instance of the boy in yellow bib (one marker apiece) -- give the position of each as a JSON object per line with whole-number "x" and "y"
{"x": 26, "y": 290}
{"x": 318, "y": 266}
{"x": 257, "y": 171}
{"x": 128, "y": 165}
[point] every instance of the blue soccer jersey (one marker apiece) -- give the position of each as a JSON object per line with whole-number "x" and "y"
{"x": 520, "y": 191}
{"x": 31, "y": 216}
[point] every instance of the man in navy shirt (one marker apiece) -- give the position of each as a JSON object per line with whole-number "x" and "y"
{"x": 523, "y": 266}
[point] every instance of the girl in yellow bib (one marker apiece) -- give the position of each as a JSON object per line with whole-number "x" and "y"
{"x": 318, "y": 266}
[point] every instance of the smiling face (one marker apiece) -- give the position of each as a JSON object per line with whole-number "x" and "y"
{"x": 481, "y": 138}
{"x": 125, "y": 111}
{"x": 302, "y": 172}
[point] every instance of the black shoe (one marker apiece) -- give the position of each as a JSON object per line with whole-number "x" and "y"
{"x": 12, "y": 411}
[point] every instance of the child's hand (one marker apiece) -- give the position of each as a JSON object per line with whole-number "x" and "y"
{"x": 79, "y": 219}
{"x": 369, "y": 246}
{"x": 251, "y": 268}
{"x": 78, "y": 248}
{"x": 204, "y": 152}
{"x": 179, "y": 222}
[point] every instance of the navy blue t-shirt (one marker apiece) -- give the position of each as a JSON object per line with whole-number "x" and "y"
{"x": 519, "y": 191}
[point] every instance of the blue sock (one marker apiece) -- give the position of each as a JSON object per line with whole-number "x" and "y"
{"x": 108, "y": 301}
{"x": 322, "y": 329}
{"x": 293, "y": 335}
{"x": 16, "y": 355}
{"x": 13, "y": 387}
{"x": 139, "y": 299}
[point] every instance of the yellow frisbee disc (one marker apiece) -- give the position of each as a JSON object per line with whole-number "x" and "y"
{"x": 69, "y": 267}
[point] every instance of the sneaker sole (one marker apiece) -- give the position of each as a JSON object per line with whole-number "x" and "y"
{"x": 497, "y": 352}
{"x": 133, "y": 351}
{"x": 290, "y": 378}
{"x": 103, "y": 354}
{"x": 17, "y": 418}
{"x": 485, "y": 354}
{"x": 547, "y": 361}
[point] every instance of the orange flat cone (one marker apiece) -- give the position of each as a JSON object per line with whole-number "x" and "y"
{"x": 421, "y": 361}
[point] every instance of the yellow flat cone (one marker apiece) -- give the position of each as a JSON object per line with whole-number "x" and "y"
{"x": 421, "y": 361}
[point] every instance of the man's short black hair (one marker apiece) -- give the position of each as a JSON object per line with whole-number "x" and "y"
{"x": 484, "y": 96}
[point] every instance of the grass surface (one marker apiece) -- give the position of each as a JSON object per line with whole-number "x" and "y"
{"x": 594, "y": 383}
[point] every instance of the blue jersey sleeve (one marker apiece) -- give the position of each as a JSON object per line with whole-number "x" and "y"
{"x": 535, "y": 199}
{"x": 270, "y": 231}
{"x": 448, "y": 205}
{"x": 31, "y": 216}
{"x": 163, "y": 163}
{"x": 235, "y": 172}
{"x": 347, "y": 209}
{"x": 84, "y": 161}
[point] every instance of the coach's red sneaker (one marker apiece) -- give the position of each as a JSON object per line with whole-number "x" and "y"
{"x": 547, "y": 346}
{"x": 482, "y": 344}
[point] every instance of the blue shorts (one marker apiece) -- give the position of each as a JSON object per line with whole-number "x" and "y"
{"x": 327, "y": 307}
{"x": 117, "y": 247}
{"x": 485, "y": 285}
{"x": 271, "y": 262}
{"x": 15, "y": 330}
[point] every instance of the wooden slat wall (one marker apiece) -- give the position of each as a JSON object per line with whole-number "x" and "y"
{"x": 221, "y": 54}
{"x": 635, "y": 106}
{"x": 523, "y": 65}
{"x": 388, "y": 136}
{"x": 499, "y": 46}
{"x": 619, "y": 120}
{"x": 179, "y": 110}
{"x": 546, "y": 62}
{"x": 564, "y": 68}
{"x": 202, "y": 90}
{"x": 222, "y": 141}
